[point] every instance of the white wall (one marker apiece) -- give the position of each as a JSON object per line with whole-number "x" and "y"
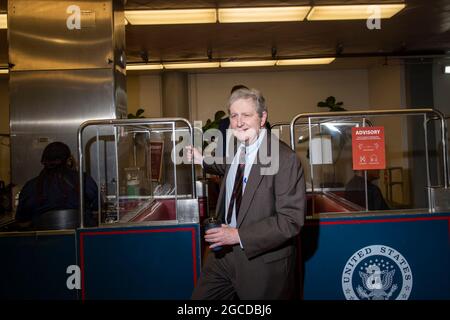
{"x": 386, "y": 91}
{"x": 145, "y": 92}
{"x": 287, "y": 92}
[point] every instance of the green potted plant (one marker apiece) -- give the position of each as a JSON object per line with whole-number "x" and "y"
{"x": 331, "y": 104}
{"x": 137, "y": 115}
{"x": 215, "y": 123}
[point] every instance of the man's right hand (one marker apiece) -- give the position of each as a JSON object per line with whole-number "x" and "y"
{"x": 192, "y": 152}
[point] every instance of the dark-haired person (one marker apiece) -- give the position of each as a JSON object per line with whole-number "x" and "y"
{"x": 55, "y": 188}
{"x": 355, "y": 191}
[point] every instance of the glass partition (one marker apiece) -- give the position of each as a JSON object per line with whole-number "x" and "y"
{"x": 414, "y": 175}
{"x": 140, "y": 170}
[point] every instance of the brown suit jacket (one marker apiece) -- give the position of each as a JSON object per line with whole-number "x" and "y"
{"x": 270, "y": 217}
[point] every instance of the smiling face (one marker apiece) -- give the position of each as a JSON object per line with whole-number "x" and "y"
{"x": 245, "y": 121}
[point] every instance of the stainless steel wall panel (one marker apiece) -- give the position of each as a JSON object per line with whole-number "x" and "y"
{"x": 63, "y": 75}
{"x": 54, "y": 106}
{"x": 40, "y": 38}
{"x": 120, "y": 60}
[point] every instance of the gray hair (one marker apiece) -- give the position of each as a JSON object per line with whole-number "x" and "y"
{"x": 252, "y": 94}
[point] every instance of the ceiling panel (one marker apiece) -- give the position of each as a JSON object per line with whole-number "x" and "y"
{"x": 422, "y": 28}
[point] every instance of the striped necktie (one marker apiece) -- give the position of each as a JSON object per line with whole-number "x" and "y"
{"x": 236, "y": 196}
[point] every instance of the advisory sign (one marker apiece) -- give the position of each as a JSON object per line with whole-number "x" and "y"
{"x": 368, "y": 148}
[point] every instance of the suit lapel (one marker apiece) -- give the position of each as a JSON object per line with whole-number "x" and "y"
{"x": 253, "y": 182}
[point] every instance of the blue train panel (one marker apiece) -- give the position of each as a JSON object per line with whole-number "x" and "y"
{"x": 377, "y": 258}
{"x": 151, "y": 262}
{"x": 34, "y": 265}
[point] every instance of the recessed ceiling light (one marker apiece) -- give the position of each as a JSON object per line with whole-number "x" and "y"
{"x": 3, "y": 21}
{"x": 293, "y": 62}
{"x": 259, "y": 63}
{"x": 188, "y": 16}
{"x": 144, "y": 66}
{"x": 354, "y": 12}
{"x": 191, "y": 65}
{"x": 262, "y": 14}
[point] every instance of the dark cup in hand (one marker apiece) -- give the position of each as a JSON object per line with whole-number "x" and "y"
{"x": 210, "y": 224}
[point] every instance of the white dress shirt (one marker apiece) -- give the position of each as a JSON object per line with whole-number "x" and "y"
{"x": 250, "y": 154}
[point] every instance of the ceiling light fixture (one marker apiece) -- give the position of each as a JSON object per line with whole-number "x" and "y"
{"x": 188, "y": 16}
{"x": 4, "y": 71}
{"x": 231, "y": 64}
{"x": 293, "y": 62}
{"x": 259, "y": 63}
{"x": 191, "y": 65}
{"x": 354, "y": 12}
{"x": 3, "y": 21}
{"x": 144, "y": 67}
{"x": 262, "y": 14}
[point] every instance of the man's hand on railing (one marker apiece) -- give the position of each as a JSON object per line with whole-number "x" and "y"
{"x": 192, "y": 152}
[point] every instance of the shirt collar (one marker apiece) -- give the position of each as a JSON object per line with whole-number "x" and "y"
{"x": 255, "y": 145}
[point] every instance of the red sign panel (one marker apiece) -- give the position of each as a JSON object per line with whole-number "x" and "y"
{"x": 368, "y": 148}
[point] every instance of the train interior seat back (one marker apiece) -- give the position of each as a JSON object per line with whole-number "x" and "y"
{"x": 58, "y": 219}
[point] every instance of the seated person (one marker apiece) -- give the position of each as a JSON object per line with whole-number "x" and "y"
{"x": 355, "y": 191}
{"x": 56, "y": 188}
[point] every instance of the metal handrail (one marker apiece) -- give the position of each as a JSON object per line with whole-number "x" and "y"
{"x": 363, "y": 113}
{"x": 281, "y": 123}
{"x": 126, "y": 122}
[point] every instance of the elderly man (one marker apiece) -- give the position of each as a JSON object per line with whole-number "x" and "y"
{"x": 262, "y": 211}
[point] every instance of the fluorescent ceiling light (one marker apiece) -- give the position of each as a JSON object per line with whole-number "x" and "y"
{"x": 261, "y": 63}
{"x": 4, "y": 71}
{"x": 187, "y": 16}
{"x": 191, "y": 65}
{"x": 354, "y": 12}
{"x": 447, "y": 69}
{"x": 293, "y": 62}
{"x": 262, "y": 14}
{"x": 3, "y": 21}
{"x": 230, "y": 64}
{"x": 144, "y": 67}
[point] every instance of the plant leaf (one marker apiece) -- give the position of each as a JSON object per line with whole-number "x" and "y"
{"x": 331, "y": 100}
{"x": 219, "y": 115}
{"x": 139, "y": 112}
